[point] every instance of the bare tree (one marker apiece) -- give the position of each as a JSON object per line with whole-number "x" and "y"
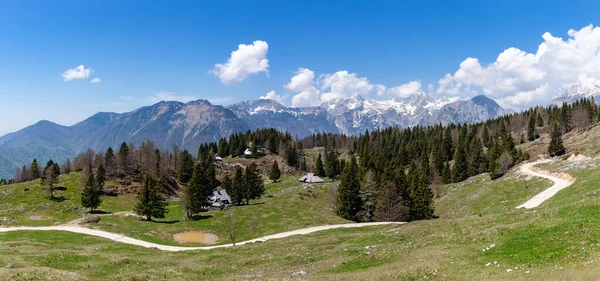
{"x": 230, "y": 224}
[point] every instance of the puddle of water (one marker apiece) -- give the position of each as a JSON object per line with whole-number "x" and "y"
{"x": 196, "y": 237}
{"x": 39, "y": 218}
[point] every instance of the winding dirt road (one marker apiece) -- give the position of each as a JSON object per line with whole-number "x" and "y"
{"x": 558, "y": 185}
{"x": 128, "y": 240}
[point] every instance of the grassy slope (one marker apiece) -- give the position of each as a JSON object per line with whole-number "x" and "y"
{"x": 558, "y": 240}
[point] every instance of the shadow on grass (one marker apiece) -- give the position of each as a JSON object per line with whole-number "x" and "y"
{"x": 99, "y": 212}
{"x": 200, "y": 217}
{"x": 58, "y": 198}
{"x": 110, "y": 194}
{"x": 60, "y": 188}
{"x": 166, "y": 222}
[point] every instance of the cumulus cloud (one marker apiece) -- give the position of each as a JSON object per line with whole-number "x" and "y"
{"x": 245, "y": 61}
{"x": 520, "y": 79}
{"x": 272, "y": 96}
{"x": 405, "y": 90}
{"x": 96, "y": 80}
{"x": 79, "y": 72}
{"x": 343, "y": 85}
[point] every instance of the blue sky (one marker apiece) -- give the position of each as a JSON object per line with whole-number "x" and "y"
{"x": 147, "y": 50}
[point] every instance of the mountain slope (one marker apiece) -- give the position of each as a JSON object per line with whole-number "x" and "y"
{"x": 577, "y": 92}
{"x": 189, "y": 124}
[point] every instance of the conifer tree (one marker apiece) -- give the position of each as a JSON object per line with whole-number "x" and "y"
{"x": 556, "y": 147}
{"x": 238, "y": 186}
{"x": 185, "y": 167}
{"x": 303, "y": 165}
{"x": 531, "y": 128}
{"x": 100, "y": 178}
{"x": 90, "y": 194}
{"x": 110, "y": 162}
{"x": 319, "y": 166}
{"x": 476, "y": 159}
{"x": 461, "y": 165}
{"x": 150, "y": 202}
{"x": 124, "y": 158}
{"x": 368, "y": 194}
{"x": 332, "y": 165}
{"x": 421, "y": 207}
{"x": 192, "y": 200}
{"x": 349, "y": 202}
{"x": 254, "y": 183}
{"x": 35, "y": 169}
{"x": 275, "y": 173}
{"x": 446, "y": 174}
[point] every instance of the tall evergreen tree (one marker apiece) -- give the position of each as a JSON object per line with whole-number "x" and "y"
{"x": 124, "y": 159}
{"x": 531, "y": 128}
{"x": 275, "y": 173}
{"x": 291, "y": 156}
{"x": 90, "y": 194}
{"x": 238, "y": 186}
{"x": 319, "y": 166}
{"x": 185, "y": 167}
{"x": 35, "y": 169}
{"x": 332, "y": 165}
{"x": 556, "y": 147}
{"x": 421, "y": 207}
{"x": 100, "y": 178}
{"x": 461, "y": 165}
{"x": 349, "y": 202}
{"x": 446, "y": 174}
{"x": 254, "y": 183}
{"x": 303, "y": 165}
{"x": 110, "y": 162}
{"x": 150, "y": 202}
{"x": 476, "y": 158}
{"x": 192, "y": 199}
{"x": 368, "y": 194}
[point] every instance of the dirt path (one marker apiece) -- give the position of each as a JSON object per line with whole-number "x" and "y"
{"x": 128, "y": 240}
{"x": 558, "y": 185}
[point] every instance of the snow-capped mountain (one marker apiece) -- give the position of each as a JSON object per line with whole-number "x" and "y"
{"x": 190, "y": 124}
{"x": 576, "y": 92}
{"x": 356, "y": 114}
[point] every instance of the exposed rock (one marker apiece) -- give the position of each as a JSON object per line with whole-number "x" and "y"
{"x": 91, "y": 219}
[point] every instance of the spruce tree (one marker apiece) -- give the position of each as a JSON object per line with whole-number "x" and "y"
{"x": 192, "y": 200}
{"x": 185, "y": 167}
{"x": 254, "y": 183}
{"x": 421, "y": 207}
{"x": 124, "y": 158}
{"x": 275, "y": 173}
{"x": 446, "y": 174}
{"x": 238, "y": 186}
{"x": 319, "y": 166}
{"x": 303, "y": 165}
{"x": 476, "y": 159}
{"x": 531, "y": 128}
{"x": 349, "y": 202}
{"x": 368, "y": 194}
{"x": 461, "y": 166}
{"x": 110, "y": 162}
{"x": 35, "y": 169}
{"x": 101, "y": 178}
{"x": 332, "y": 165}
{"x": 556, "y": 147}
{"x": 90, "y": 194}
{"x": 150, "y": 202}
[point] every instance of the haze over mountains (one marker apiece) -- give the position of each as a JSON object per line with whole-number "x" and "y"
{"x": 189, "y": 124}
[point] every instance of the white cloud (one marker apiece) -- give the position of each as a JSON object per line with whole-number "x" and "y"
{"x": 272, "y": 96}
{"x": 77, "y": 73}
{"x": 96, "y": 80}
{"x": 343, "y": 85}
{"x": 170, "y": 96}
{"x": 405, "y": 90}
{"x": 309, "y": 97}
{"x": 303, "y": 80}
{"x": 520, "y": 79}
{"x": 246, "y": 60}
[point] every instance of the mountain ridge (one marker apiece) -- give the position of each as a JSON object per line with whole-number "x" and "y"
{"x": 169, "y": 123}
